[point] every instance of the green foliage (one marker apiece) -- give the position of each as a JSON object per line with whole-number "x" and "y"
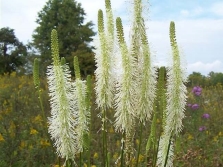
{"x": 67, "y": 17}
{"x": 212, "y": 79}
{"x": 23, "y": 130}
{"x": 12, "y": 51}
{"x": 20, "y": 114}
{"x": 196, "y": 78}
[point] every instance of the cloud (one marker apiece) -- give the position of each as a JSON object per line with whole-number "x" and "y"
{"x": 195, "y": 12}
{"x": 205, "y": 68}
{"x": 217, "y": 8}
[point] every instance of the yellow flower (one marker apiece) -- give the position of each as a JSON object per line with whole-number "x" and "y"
{"x": 95, "y": 155}
{"x": 111, "y": 130}
{"x": 141, "y": 158}
{"x": 215, "y": 139}
{"x": 85, "y": 165}
{"x": 93, "y": 165}
{"x": 118, "y": 143}
{"x": 190, "y": 137}
{"x": 137, "y": 141}
{"x": 33, "y": 131}
{"x": 38, "y": 119}
{"x": 220, "y": 134}
{"x": 44, "y": 143}
{"x": 115, "y": 156}
{"x": 1, "y": 138}
{"x": 12, "y": 129}
{"x": 133, "y": 161}
{"x": 22, "y": 144}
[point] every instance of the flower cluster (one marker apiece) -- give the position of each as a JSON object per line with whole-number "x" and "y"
{"x": 206, "y": 116}
{"x": 202, "y": 128}
{"x": 197, "y": 90}
{"x": 193, "y": 106}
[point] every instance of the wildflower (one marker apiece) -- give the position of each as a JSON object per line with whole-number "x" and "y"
{"x": 44, "y": 143}
{"x": 104, "y": 63}
{"x": 33, "y": 131}
{"x": 195, "y": 106}
{"x": 137, "y": 141}
{"x": 111, "y": 130}
{"x": 115, "y": 156}
{"x": 22, "y": 145}
{"x": 63, "y": 120}
{"x": 197, "y": 90}
{"x": 190, "y": 137}
{"x": 202, "y": 128}
{"x": 176, "y": 102}
{"x": 189, "y": 105}
{"x": 125, "y": 87}
{"x": 1, "y": 138}
{"x": 95, "y": 155}
{"x": 38, "y": 119}
{"x": 206, "y": 116}
{"x": 141, "y": 158}
{"x": 215, "y": 139}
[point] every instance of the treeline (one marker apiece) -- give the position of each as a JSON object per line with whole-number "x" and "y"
{"x": 212, "y": 79}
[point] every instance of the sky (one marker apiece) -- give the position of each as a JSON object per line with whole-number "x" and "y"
{"x": 199, "y": 26}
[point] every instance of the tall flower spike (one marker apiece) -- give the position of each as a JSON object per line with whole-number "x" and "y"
{"x": 36, "y": 73}
{"x": 110, "y": 20}
{"x": 83, "y": 112}
{"x": 125, "y": 86}
{"x": 176, "y": 89}
{"x": 104, "y": 78}
{"x": 63, "y": 120}
{"x": 147, "y": 78}
{"x": 176, "y": 101}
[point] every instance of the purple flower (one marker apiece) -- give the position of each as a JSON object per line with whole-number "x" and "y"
{"x": 197, "y": 90}
{"x": 202, "y": 128}
{"x": 189, "y": 105}
{"x": 206, "y": 116}
{"x": 195, "y": 106}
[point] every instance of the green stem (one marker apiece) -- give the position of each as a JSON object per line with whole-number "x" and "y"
{"x": 166, "y": 159}
{"x": 122, "y": 154}
{"x": 41, "y": 106}
{"x": 139, "y": 148}
{"x": 105, "y": 157}
{"x": 80, "y": 158}
{"x": 156, "y": 153}
{"x": 89, "y": 147}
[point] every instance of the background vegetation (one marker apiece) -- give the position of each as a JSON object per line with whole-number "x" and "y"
{"x": 24, "y": 140}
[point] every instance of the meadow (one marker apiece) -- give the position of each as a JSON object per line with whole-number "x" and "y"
{"x": 25, "y": 141}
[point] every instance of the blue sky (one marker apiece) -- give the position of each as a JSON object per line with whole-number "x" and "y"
{"x": 199, "y": 26}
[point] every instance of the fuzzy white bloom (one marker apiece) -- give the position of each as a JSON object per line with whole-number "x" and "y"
{"x": 176, "y": 99}
{"x": 146, "y": 77}
{"x": 104, "y": 73}
{"x": 83, "y": 113}
{"x": 63, "y": 120}
{"x": 125, "y": 96}
{"x": 166, "y": 150}
{"x": 176, "y": 89}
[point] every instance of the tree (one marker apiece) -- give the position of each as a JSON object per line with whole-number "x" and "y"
{"x": 215, "y": 78}
{"x": 67, "y": 17}
{"x": 196, "y": 79}
{"x": 12, "y": 51}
